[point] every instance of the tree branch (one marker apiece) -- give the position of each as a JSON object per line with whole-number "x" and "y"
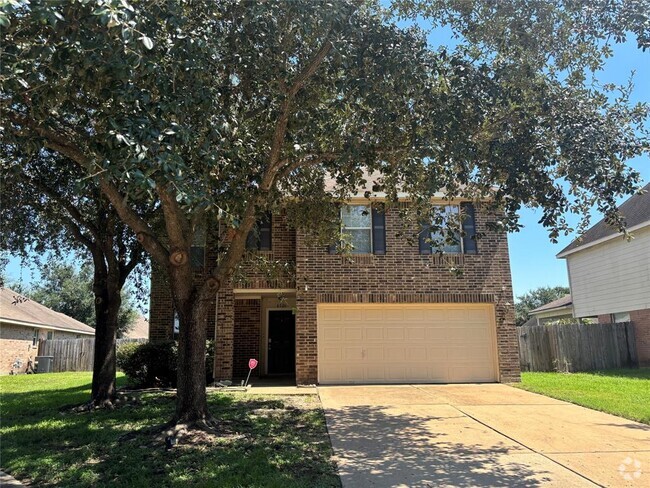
{"x": 62, "y": 145}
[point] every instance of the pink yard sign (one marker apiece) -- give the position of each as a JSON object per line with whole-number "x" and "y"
{"x": 252, "y": 363}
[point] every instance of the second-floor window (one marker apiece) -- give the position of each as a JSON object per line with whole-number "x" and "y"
{"x": 445, "y": 237}
{"x": 356, "y": 224}
{"x": 259, "y": 238}
{"x": 364, "y": 227}
{"x": 453, "y": 232}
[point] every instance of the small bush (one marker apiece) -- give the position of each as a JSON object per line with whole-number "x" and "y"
{"x": 124, "y": 352}
{"x": 154, "y": 364}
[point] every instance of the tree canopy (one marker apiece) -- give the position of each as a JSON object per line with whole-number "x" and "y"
{"x": 536, "y": 298}
{"x": 221, "y": 111}
{"x": 66, "y": 289}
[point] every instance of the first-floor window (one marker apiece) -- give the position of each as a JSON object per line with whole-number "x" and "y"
{"x": 621, "y": 317}
{"x": 35, "y": 337}
{"x": 445, "y": 233}
{"x": 356, "y": 223}
{"x": 50, "y": 335}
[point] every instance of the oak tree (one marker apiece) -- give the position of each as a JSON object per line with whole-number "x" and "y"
{"x": 222, "y": 111}
{"x": 49, "y": 207}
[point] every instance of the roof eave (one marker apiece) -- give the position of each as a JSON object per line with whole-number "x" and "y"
{"x": 37, "y": 325}
{"x": 566, "y": 252}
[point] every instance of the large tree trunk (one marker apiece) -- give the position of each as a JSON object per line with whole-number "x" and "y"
{"x": 107, "y": 306}
{"x": 192, "y": 306}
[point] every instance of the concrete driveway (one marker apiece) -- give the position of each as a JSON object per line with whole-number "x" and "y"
{"x": 478, "y": 435}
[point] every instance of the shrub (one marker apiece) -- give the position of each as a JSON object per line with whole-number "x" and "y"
{"x": 124, "y": 351}
{"x": 154, "y": 364}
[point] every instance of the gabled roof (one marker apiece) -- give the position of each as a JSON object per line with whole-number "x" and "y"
{"x": 562, "y": 302}
{"x": 140, "y": 329}
{"x": 635, "y": 210}
{"x": 20, "y": 310}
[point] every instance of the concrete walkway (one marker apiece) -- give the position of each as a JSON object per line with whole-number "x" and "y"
{"x": 7, "y": 481}
{"x": 478, "y": 435}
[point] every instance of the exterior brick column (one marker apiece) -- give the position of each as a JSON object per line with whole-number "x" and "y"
{"x": 306, "y": 333}
{"x": 224, "y": 335}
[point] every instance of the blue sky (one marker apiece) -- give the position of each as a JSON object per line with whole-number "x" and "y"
{"x": 532, "y": 255}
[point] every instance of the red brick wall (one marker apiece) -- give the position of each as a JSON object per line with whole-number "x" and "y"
{"x": 16, "y": 343}
{"x": 161, "y": 315}
{"x": 641, "y": 321}
{"x": 246, "y": 336}
{"x": 404, "y": 276}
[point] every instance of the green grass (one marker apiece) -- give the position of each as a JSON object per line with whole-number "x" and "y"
{"x": 264, "y": 440}
{"x": 623, "y": 392}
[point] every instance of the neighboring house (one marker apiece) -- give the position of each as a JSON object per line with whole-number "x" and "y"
{"x": 140, "y": 329}
{"x": 609, "y": 275}
{"x": 551, "y": 312}
{"x": 23, "y": 322}
{"x": 391, "y": 312}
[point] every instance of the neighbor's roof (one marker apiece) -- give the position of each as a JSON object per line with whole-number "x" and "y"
{"x": 140, "y": 329}
{"x": 635, "y": 210}
{"x": 17, "y": 309}
{"x": 565, "y": 301}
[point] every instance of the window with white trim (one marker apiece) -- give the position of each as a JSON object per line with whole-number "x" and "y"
{"x": 356, "y": 223}
{"x": 446, "y": 238}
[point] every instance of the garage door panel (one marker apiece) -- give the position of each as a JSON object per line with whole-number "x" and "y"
{"x": 374, "y": 334}
{"x": 394, "y": 333}
{"x": 395, "y": 353}
{"x": 390, "y": 343}
{"x": 436, "y": 353}
{"x": 375, "y": 354}
{"x": 436, "y": 334}
{"x": 416, "y": 333}
{"x": 353, "y": 334}
{"x": 372, "y": 315}
{"x": 352, "y": 353}
{"x": 415, "y": 315}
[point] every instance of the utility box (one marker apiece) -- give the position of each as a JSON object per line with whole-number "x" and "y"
{"x": 44, "y": 364}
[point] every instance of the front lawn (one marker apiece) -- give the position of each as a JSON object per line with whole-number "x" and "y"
{"x": 623, "y": 392}
{"x": 264, "y": 440}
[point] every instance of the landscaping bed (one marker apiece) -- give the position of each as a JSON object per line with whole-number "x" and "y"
{"x": 623, "y": 392}
{"x": 262, "y": 441}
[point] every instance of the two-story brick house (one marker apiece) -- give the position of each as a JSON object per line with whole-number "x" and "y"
{"x": 390, "y": 312}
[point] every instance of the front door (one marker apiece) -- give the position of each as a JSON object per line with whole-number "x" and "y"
{"x": 282, "y": 342}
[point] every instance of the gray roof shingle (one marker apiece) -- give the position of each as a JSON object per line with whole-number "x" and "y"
{"x": 635, "y": 210}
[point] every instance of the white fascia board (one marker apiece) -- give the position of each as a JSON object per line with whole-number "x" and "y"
{"x": 601, "y": 240}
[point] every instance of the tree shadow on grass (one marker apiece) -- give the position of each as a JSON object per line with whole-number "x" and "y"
{"x": 636, "y": 373}
{"x": 269, "y": 443}
{"x": 377, "y": 446}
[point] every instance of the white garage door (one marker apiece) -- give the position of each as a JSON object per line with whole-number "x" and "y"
{"x": 406, "y": 343}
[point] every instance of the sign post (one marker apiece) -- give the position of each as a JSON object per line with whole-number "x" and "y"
{"x": 252, "y": 364}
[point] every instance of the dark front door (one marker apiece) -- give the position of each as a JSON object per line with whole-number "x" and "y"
{"x": 282, "y": 342}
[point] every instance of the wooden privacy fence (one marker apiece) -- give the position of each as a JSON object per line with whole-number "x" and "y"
{"x": 576, "y": 347}
{"x": 73, "y": 354}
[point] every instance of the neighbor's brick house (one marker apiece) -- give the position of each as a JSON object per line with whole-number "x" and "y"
{"x": 24, "y": 322}
{"x": 393, "y": 312}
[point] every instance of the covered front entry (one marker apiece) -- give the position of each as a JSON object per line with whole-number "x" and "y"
{"x": 406, "y": 343}
{"x": 264, "y": 329}
{"x": 281, "y": 344}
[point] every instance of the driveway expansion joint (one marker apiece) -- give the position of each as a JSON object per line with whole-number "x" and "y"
{"x": 544, "y": 455}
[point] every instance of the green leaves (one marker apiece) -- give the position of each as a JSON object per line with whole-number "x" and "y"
{"x": 491, "y": 119}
